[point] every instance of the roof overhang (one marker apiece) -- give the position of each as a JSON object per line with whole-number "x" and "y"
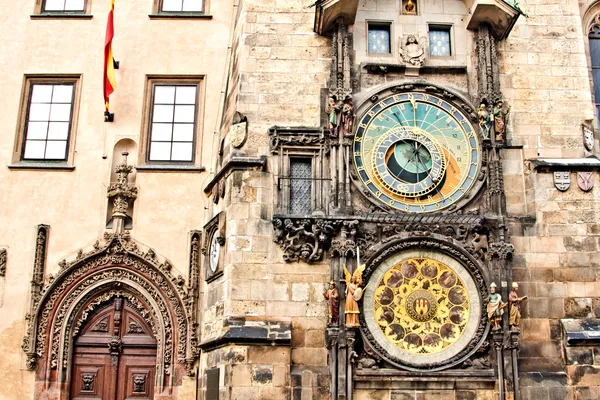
{"x": 328, "y": 11}
{"x": 498, "y": 14}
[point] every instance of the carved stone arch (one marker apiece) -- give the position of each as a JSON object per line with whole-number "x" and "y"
{"x": 438, "y": 243}
{"x": 366, "y": 100}
{"x": 114, "y": 267}
{"x": 590, "y": 16}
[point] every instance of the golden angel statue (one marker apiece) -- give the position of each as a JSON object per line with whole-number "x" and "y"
{"x": 412, "y": 50}
{"x": 353, "y": 295}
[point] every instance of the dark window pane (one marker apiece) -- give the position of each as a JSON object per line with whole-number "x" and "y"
{"x": 300, "y": 186}
{"x": 596, "y": 75}
{"x": 595, "y": 51}
{"x": 379, "y": 39}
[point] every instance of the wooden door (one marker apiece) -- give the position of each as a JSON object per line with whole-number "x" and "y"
{"x": 114, "y": 356}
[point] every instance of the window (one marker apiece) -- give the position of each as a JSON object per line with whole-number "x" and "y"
{"x": 378, "y": 41}
{"x": 182, "y": 6}
{"x": 594, "y": 37}
{"x": 64, "y": 6}
{"x": 439, "y": 41}
{"x": 301, "y": 178}
{"x": 48, "y": 121}
{"x": 173, "y": 121}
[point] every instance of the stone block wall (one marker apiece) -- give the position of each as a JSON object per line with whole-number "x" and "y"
{"x": 279, "y": 68}
{"x": 544, "y": 75}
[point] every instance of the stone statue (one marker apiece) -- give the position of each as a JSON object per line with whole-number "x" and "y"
{"x": 495, "y": 307}
{"x": 514, "y": 302}
{"x": 333, "y": 111}
{"x": 347, "y": 120}
{"x": 485, "y": 122}
{"x": 500, "y": 119}
{"x": 353, "y": 294}
{"x": 332, "y": 295}
{"x": 412, "y": 50}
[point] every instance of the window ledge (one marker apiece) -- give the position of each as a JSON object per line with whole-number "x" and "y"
{"x": 54, "y": 166}
{"x": 169, "y": 168}
{"x": 61, "y": 16}
{"x": 179, "y": 15}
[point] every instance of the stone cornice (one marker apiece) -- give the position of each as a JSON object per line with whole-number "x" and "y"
{"x": 236, "y": 163}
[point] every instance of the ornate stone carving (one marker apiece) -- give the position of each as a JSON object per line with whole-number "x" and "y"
{"x": 502, "y": 250}
{"x": 413, "y": 50}
{"x": 295, "y": 137}
{"x": 304, "y": 239}
{"x": 122, "y": 192}
{"x": 37, "y": 282}
{"x": 487, "y": 65}
{"x": 3, "y": 253}
{"x": 346, "y": 244}
{"x": 119, "y": 262}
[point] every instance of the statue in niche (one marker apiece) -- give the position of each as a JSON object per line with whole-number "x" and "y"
{"x": 495, "y": 308}
{"x": 514, "y": 302}
{"x": 347, "y": 118}
{"x": 353, "y": 295}
{"x": 485, "y": 122}
{"x": 333, "y": 110}
{"x": 410, "y": 7}
{"x": 332, "y": 295}
{"x": 412, "y": 50}
{"x": 500, "y": 119}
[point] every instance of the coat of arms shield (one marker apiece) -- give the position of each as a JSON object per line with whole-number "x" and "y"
{"x": 585, "y": 181}
{"x": 562, "y": 180}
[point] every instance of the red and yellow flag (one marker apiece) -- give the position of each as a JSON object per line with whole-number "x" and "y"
{"x": 110, "y": 83}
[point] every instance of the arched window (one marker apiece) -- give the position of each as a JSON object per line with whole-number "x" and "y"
{"x": 594, "y": 39}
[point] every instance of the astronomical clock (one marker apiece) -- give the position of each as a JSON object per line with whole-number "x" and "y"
{"x": 414, "y": 185}
{"x": 419, "y": 158}
{"x": 416, "y": 152}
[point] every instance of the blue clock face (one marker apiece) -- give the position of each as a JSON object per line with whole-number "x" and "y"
{"x": 416, "y": 152}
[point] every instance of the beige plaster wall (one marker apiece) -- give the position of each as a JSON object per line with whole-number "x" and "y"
{"x": 74, "y": 203}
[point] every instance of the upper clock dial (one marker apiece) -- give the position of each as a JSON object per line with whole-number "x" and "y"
{"x": 416, "y": 152}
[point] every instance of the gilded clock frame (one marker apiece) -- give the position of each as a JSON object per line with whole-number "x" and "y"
{"x": 455, "y": 99}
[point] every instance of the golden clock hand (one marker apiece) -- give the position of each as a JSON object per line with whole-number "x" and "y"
{"x": 414, "y": 106}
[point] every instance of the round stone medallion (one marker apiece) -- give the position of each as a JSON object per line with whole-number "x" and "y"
{"x": 422, "y": 307}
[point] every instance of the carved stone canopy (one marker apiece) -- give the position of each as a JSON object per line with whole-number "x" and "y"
{"x": 328, "y": 11}
{"x": 500, "y": 15}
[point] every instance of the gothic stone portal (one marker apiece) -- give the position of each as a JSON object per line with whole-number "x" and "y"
{"x": 114, "y": 355}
